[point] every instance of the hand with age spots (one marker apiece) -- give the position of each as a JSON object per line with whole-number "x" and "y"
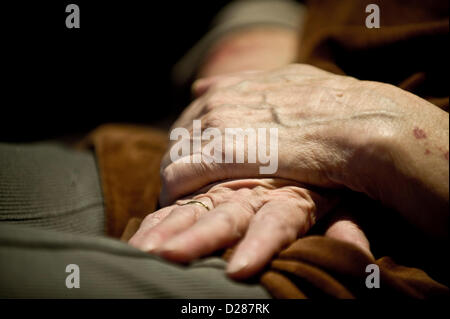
{"x": 333, "y": 131}
{"x": 261, "y": 215}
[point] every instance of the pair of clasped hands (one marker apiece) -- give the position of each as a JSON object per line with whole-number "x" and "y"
{"x": 334, "y": 133}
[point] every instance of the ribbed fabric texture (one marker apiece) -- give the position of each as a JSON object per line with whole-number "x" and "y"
{"x": 50, "y": 186}
{"x": 33, "y": 264}
{"x": 52, "y": 215}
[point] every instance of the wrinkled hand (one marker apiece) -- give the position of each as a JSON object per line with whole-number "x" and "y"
{"x": 263, "y": 215}
{"x": 333, "y": 131}
{"x": 324, "y": 121}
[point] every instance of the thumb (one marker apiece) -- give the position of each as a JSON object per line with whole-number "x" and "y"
{"x": 187, "y": 175}
{"x": 346, "y": 229}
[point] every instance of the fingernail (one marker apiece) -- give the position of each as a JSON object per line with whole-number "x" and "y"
{"x": 237, "y": 265}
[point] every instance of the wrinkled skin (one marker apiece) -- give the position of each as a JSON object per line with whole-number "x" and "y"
{"x": 334, "y": 132}
{"x": 265, "y": 214}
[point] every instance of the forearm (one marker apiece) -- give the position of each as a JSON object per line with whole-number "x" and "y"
{"x": 245, "y": 34}
{"x": 252, "y": 48}
{"x": 410, "y": 165}
{"x": 420, "y": 155}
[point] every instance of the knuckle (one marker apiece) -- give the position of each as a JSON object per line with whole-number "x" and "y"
{"x": 244, "y": 193}
{"x": 219, "y": 189}
{"x": 297, "y": 196}
{"x": 248, "y": 200}
{"x": 245, "y": 205}
{"x": 212, "y": 119}
{"x": 260, "y": 190}
{"x": 216, "y": 197}
{"x": 214, "y": 101}
{"x": 153, "y": 218}
{"x": 284, "y": 193}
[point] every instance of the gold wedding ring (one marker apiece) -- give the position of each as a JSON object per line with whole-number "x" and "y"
{"x": 195, "y": 202}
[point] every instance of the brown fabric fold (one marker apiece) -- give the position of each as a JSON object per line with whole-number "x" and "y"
{"x": 325, "y": 267}
{"x": 128, "y": 157}
{"x": 322, "y": 267}
{"x": 409, "y": 50}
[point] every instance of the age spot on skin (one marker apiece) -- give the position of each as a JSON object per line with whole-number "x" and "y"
{"x": 419, "y": 133}
{"x": 427, "y": 152}
{"x": 446, "y": 155}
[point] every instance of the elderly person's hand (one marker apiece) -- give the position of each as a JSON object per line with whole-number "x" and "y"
{"x": 263, "y": 215}
{"x": 333, "y": 131}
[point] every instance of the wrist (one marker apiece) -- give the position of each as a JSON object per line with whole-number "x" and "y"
{"x": 252, "y": 48}
{"x": 402, "y": 160}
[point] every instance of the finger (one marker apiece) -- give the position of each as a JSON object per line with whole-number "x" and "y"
{"x": 275, "y": 225}
{"x": 150, "y": 221}
{"x": 179, "y": 219}
{"x": 217, "y": 229}
{"x": 153, "y": 219}
{"x": 346, "y": 229}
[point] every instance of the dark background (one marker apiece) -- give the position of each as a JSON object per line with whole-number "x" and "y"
{"x": 116, "y": 68}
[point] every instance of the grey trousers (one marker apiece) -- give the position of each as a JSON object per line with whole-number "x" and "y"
{"x": 52, "y": 216}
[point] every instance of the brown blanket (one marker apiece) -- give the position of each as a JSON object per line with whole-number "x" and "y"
{"x": 409, "y": 50}
{"x": 128, "y": 158}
